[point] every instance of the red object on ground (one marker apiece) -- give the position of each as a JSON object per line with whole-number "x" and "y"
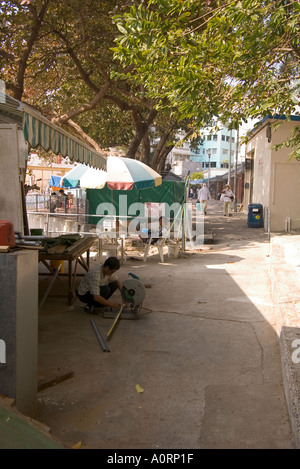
{"x": 7, "y": 234}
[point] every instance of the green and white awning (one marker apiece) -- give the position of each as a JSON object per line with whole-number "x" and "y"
{"x": 39, "y": 131}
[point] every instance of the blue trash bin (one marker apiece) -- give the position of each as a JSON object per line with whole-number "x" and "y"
{"x": 255, "y": 216}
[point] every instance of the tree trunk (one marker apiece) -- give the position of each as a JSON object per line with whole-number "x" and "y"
{"x": 142, "y": 127}
{"x": 136, "y": 141}
{"x": 157, "y": 154}
{"x": 163, "y": 157}
{"x": 146, "y": 149}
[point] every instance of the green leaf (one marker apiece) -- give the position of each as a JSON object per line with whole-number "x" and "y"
{"x": 121, "y": 28}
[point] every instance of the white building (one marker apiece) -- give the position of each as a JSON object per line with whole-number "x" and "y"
{"x": 272, "y": 178}
{"x": 216, "y": 149}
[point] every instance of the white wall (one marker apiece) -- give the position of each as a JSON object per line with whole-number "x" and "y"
{"x": 12, "y": 162}
{"x": 262, "y": 166}
{"x": 285, "y": 183}
{"x": 276, "y": 182}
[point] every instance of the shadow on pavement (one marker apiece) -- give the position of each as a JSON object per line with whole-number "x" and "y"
{"x": 204, "y": 351}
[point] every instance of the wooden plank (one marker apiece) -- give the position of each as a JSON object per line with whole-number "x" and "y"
{"x": 4, "y": 248}
{"x": 57, "y": 249}
{"x": 53, "y": 382}
{"x": 80, "y": 246}
{"x": 75, "y": 245}
{"x": 29, "y": 246}
{"x": 71, "y": 252}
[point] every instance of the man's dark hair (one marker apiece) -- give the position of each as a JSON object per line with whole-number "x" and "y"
{"x": 113, "y": 263}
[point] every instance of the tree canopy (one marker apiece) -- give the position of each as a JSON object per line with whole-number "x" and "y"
{"x": 196, "y": 176}
{"x": 128, "y": 72}
{"x": 57, "y": 57}
{"x": 235, "y": 59}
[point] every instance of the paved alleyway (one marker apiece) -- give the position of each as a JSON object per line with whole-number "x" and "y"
{"x": 205, "y": 352}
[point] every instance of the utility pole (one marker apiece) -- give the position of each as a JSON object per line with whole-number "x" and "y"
{"x": 209, "y": 155}
{"x": 229, "y": 167}
{"x": 235, "y": 169}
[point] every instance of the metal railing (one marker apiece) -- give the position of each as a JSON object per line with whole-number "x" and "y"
{"x": 77, "y": 211}
{"x": 69, "y": 207}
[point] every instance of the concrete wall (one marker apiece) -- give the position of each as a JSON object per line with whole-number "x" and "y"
{"x": 259, "y": 149}
{"x": 285, "y": 183}
{"x": 12, "y": 161}
{"x": 276, "y": 178}
{"x": 19, "y": 328}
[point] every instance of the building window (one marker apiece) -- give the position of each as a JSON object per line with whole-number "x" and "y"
{"x": 214, "y": 151}
{"x": 224, "y": 152}
{"x": 223, "y": 138}
{"x": 209, "y": 137}
{"x": 215, "y": 138}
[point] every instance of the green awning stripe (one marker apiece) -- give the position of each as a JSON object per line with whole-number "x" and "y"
{"x": 38, "y": 131}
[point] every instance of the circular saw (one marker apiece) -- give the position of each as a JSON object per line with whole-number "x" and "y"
{"x": 133, "y": 293}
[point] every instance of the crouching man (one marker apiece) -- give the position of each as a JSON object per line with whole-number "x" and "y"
{"x": 98, "y": 285}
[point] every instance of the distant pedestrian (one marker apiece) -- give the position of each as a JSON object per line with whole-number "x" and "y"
{"x": 204, "y": 196}
{"x": 64, "y": 198}
{"x": 53, "y": 202}
{"x": 227, "y": 198}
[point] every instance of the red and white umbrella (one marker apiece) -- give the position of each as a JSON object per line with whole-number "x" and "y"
{"x": 126, "y": 173}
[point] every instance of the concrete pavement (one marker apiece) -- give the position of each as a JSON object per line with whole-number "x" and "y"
{"x": 285, "y": 281}
{"x": 206, "y": 352}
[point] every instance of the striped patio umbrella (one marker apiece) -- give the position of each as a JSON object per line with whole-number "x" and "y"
{"x": 126, "y": 173}
{"x": 85, "y": 177}
{"x": 72, "y": 178}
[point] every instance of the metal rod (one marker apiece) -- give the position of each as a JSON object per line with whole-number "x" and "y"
{"x": 114, "y": 323}
{"x": 30, "y": 238}
{"x": 56, "y": 272}
{"x": 100, "y": 337}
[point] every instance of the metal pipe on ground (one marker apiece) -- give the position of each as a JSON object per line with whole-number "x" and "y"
{"x": 100, "y": 337}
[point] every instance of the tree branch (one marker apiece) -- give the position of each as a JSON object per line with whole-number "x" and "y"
{"x": 84, "y": 107}
{"x": 37, "y": 23}
{"x": 85, "y": 137}
{"x": 84, "y": 75}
